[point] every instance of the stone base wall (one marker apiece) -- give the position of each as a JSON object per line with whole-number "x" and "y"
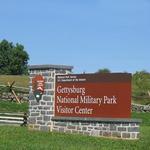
{"x": 124, "y": 129}
{"x": 10, "y": 97}
{"x": 140, "y": 108}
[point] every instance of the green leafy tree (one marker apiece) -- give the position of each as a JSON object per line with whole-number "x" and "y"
{"x": 13, "y": 58}
{"x": 104, "y": 70}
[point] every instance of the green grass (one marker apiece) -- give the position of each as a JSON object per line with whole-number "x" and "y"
{"x": 141, "y": 101}
{"x": 22, "y": 81}
{"x": 20, "y": 138}
{"x": 144, "y": 116}
{"x": 7, "y": 106}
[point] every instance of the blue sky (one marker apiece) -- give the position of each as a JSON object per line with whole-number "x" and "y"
{"x": 87, "y": 34}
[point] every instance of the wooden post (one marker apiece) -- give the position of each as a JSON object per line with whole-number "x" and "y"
{"x": 13, "y": 92}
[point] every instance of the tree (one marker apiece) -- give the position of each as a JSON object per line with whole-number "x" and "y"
{"x": 13, "y": 58}
{"x": 104, "y": 70}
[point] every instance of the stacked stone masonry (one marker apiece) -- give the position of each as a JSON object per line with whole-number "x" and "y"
{"x": 111, "y": 129}
{"x": 140, "y": 108}
{"x": 41, "y": 114}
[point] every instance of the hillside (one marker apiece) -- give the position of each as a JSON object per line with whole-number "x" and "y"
{"x": 21, "y": 81}
{"x": 141, "y": 87}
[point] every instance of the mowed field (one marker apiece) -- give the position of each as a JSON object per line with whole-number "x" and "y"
{"x": 20, "y": 138}
{"x": 21, "y": 81}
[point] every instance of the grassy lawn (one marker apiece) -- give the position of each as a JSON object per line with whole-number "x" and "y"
{"x": 141, "y": 101}
{"x": 20, "y": 138}
{"x": 22, "y": 81}
{"x": 7, "y": 106}
{"x": 144, "y": 116}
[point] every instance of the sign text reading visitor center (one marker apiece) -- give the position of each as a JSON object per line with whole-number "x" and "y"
{"x": 93, "y": 95}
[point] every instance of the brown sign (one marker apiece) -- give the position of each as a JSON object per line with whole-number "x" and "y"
{"x": 38, "y": 83}
{"x": 93, "y": 95}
